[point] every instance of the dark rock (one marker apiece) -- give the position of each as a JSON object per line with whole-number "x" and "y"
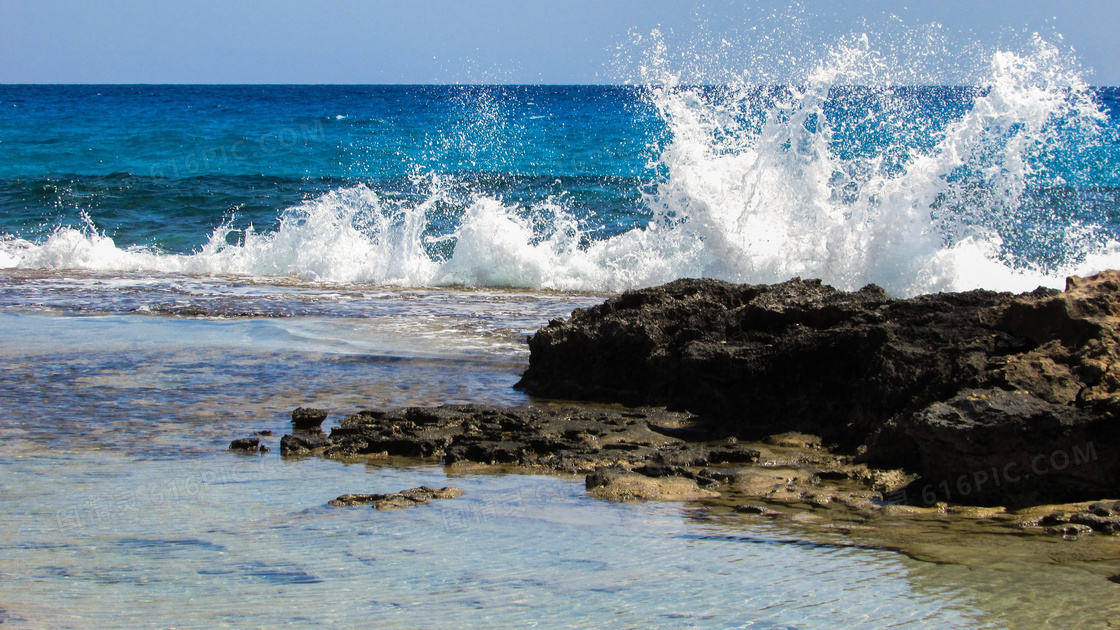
{"x": 307, "y": 419}
{"x": 1105, "y": 508}
{"x": 760, "y": 360}
{"x": 1055, "y": 519}
{"x": 958, "y": 387}
{"x": 302, "y": 444}
{"x": 1010, "y": 447}
{"x": 264, "y": 449}
{"x": 398, "y": 500}
{"x": 568, "y": 439}
{"x": 1103, "y": 524}
{"x": 245, "y": 444}
{"x": 755, "y": 508}
{"x": 266, "y": 432}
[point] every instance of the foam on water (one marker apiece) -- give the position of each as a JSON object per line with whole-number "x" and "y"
{"x": 761, "y": 184}
{"x": 775, "y": 196}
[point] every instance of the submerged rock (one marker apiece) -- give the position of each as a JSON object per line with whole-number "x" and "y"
{"x": 991, "y": 397}
{"x": 245, "y": 444}
{"x": 397, "y": 500}
{"x": 621, "y": 485}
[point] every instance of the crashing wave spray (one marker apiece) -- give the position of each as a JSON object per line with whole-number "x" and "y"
{"x": 775, "y": 185}
{"x": 853, "y": 173}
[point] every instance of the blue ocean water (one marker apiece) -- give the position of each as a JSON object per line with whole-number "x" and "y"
{"x": 595, "y": 188}
{"x": 165, "y": 166}
{"x": 183, "y": 265}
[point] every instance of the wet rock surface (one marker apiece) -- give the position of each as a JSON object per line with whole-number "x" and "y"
{"x": 302, "y": 443}
{"x": 308, "y": 419}
{"x": 570, "y": 439}
{"x": 625, "y": 454}
{"x": 992, "y": 398}
{"x": 622, "y": 485}
{"x": 245, "y": 444}
{"x": 397, "y": 500}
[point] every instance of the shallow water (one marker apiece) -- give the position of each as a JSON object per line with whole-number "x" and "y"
{"x": 123, "y": 506}
{"x": 184, "y": 265}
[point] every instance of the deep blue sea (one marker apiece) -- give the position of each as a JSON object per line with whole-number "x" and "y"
{"x": 184, "y": 265}
{"x": 587, "y": 188}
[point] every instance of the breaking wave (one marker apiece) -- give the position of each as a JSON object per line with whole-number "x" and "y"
{"x": 848, "y": 175}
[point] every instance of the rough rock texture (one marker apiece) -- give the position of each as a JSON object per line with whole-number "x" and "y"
{"x": 626, "y": 455}
{"x": 308, "y": 419}
{"x": 245, "y": 444}
{"x": 621, "y": 485}
{"x": 964, "y": 388}
{"x": 766, "y": 359}
{"x": 397, "y": 500}
{"x": 567, "y": 440}
{"x": 302, "y": 443}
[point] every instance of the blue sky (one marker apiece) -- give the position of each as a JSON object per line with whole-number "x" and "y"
{"x": 488, "y": 41}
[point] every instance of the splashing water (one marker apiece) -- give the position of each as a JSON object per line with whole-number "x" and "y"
{"x": 853, "y": 182}
{"x": 849, "y": 175}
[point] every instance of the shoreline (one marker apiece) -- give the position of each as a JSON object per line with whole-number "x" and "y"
{"x": 829, "y": 484}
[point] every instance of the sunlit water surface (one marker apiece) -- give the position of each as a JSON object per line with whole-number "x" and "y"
{"x": 124, "y": 507}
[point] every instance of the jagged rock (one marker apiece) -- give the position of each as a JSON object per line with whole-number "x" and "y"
{"x": 1105, "y": 508}
{"x": 1069, "y": 531}
{"x": 757, "y": 509}
{"x": 1009, "y": 447}
{"x": 397, "y": 500}
{"x": 307, "y": 419}
{"x": 302, "y": 444}
{"x": 760, "y": 360}
{"x": 245, "y": 444}
{"x": 575, "y": 440}
{"x": 1103, "y": 524}
{"x": 958, "y": 387}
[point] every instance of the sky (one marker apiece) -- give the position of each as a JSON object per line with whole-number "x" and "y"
{"x": 501, "y": 41}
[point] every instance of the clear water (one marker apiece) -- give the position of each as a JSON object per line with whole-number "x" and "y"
{"x": 124, "y": 508}
{"x": 184, "y": 265}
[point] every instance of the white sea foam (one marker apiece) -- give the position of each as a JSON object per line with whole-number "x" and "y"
{"x": 754, "y": 198}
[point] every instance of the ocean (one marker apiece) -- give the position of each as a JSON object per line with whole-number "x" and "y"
{"x": 184, "y": 265}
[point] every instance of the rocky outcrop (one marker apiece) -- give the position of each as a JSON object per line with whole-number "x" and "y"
{"x": 757, "y": 360}
{"x": 245, "y": 444}
{"x": 992, "y": 398}
{"x": 302, "y": 443}
{"x": 308, "y": 419}
{"x": 573, "y": 440}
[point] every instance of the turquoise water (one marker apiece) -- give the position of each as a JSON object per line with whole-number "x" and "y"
{"x": 1008, "y": 184}
{"x": 123, "y": 507}
{"x": 184, "y": 265}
